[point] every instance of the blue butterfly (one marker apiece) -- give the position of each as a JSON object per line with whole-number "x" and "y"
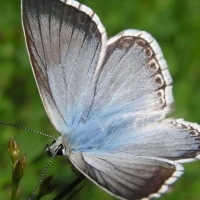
{"x": 108, "y": 99}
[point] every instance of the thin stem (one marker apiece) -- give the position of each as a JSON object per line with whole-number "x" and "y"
{"x": 14, "y": 186}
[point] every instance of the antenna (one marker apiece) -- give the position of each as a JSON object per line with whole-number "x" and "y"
{"x": 27, "y": 129}
{"x": 51, "y": 159}
{"x": 43, "y": 173}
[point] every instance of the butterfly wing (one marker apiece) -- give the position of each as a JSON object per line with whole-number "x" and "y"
{"x": 139, "y": 164}
{"x": 65, "y": 41}
{"x": 171, "y": 139}
{"x": 134, "y": 78}
{"x": 129, "y": 177}
{"x": 80, "y": 76}
{"x": 176, "y": 140}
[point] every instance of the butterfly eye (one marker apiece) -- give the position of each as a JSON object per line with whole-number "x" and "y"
{"x": 60, "y": 150}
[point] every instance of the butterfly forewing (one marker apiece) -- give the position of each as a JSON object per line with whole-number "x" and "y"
{"x": 64, "y": 45}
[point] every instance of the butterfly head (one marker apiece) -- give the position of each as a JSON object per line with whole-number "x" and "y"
{"x": 57, "y": 148}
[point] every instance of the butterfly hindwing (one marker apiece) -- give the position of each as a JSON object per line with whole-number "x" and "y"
{"x": 134, "y": 77}
{"x": 129, "y": 177}
{"x": 176, "y": 140}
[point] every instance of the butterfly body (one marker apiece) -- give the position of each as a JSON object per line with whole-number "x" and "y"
{"x": 108, "y": 99}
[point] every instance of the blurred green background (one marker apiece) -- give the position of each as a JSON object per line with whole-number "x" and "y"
{"x": 176, "y": 26}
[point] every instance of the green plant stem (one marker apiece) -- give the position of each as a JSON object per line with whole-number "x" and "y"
{"x": 14, "y": 190}
{"x": 14, "y": 186}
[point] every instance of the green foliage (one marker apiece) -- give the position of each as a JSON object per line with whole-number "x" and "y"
{"x": 176, "y": 26}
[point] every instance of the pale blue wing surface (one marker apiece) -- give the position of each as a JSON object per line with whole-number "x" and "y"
{"x": 134, "y": 78}
{"x": 132, "y": 161}
{"x": 64, "y": 40}
{"x": 171, "y": 139}
{"x": 129, "y": 177}
{"x": 67, "y": 44}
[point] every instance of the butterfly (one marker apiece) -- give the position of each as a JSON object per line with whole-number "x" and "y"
{"x": 108, "y": 99}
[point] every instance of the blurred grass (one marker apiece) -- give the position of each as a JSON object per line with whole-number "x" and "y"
{"x": 176, "y": 26}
